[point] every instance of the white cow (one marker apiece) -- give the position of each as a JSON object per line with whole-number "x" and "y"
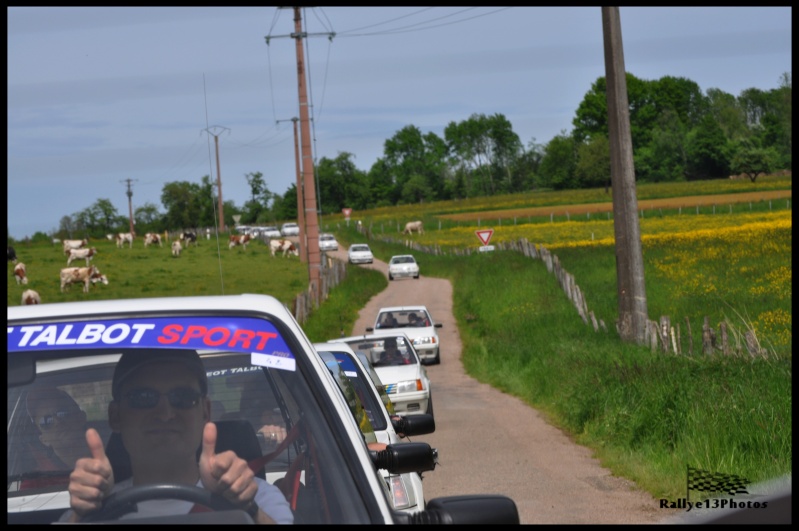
{"x": 30, "y": 296}
{"x": 74, "y": 244}
{"x": 21, "y": 273}
{"x": 152, "y": 238}
{"x": 242, "y": 240}
{"x": 412, "y": 226}
{"x": 284, "y": 246}
{"x": 78, "y": 254}
{"x": 123, "y": 238}
{"x": 74, "y": 275}
{"x": 176, "y": 248}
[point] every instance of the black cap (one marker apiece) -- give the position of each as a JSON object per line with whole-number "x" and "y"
{"x": 135, "y": 359}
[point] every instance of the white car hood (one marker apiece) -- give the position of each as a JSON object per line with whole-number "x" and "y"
{"x": 398, "y": 373}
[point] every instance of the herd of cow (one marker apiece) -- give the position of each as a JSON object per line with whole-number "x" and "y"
{"x": 90, "y": 274}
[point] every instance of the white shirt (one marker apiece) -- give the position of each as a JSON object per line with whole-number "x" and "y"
{"x": 268, "y": 498}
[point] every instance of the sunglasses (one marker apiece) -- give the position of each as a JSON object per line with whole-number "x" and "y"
{"x": 180, "y": 398}
{"x": 48, "y": 421}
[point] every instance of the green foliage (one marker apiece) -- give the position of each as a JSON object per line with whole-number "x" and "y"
{"x": 754, "y": 161}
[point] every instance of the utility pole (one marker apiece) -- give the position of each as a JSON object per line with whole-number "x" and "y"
{"x": 218, "y": 177}
{"x": 129, "y": 193}
{"x": 631, "y": 287}
{"x": 300, "y": 195}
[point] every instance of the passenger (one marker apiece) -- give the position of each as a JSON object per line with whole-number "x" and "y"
{"x": 389, "y": 321}
{"x": 162, "y": 412}
{"x": 391, "y": 354}
{"x": 413, "y": 320}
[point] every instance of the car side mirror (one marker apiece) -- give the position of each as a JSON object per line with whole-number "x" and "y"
{"x": 409, "y": 425}
{"x": 438, "y": 325}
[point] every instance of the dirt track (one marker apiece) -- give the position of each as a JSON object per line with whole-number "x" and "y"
{"x": 492, "y": 443}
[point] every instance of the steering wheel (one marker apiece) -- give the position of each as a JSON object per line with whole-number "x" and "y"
{"x": 124, "y": 501}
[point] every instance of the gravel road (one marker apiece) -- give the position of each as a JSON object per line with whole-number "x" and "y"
{"x": 493, "y": 443}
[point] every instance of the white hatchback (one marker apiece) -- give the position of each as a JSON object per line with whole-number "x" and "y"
{"x": 290, "y": 229}
{"x": 418, "y": 325}
{"x": 403, "y": 265}
{"x": 270, "y": 231}
{"x": 327, "y": 242}
{"x": 360, "y": 253}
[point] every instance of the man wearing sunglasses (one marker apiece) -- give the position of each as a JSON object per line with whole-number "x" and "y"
{"x": 162, "y": 412}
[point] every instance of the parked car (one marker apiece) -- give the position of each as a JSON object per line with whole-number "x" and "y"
{"x": 290, "y": 229}
{"x": 399, "y": 367}
{"x": 258, "y": 361}
{"x": 418, "y": 325}
{"x": 360, "y": 253}
{"x": 406, "y": 489}
{"x": 270, "y": 231}
{"x": 403, "y": 266}
{"x": 327, "y": 242}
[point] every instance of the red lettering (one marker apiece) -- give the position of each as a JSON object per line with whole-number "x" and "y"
{"x": 171, "y": 333}
{"x": 264, "y": 339}
{"x": 193, "y": 332}
{"x": 243, "y": 336}
{"x": 224, "y": 332}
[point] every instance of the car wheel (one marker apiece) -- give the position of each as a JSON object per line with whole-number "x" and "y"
{"x": 437, "y": 359}
{"x": 430, "y": 406}
{"x": 390, "y": 277}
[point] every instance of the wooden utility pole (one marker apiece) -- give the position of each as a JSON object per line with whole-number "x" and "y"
{"x": 129, "y": 193}
{"x": 300, "y": 195}
{"x": 311, "y": 240}
{"x": 221, "y": 207}
{"x": 631, "y": 287}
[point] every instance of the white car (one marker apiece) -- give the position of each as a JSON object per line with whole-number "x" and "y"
{"x": 270, "y": 231}
{"x": 403, "y": 266}
{"x": 404, "y": 376}
{"x": 290, "y": 229}
{"x": 418, "y": 325}
{"x": 406, "y": 489}
{"x": 257, "y": 360}
{"x": 327, "y": 242}
{"x": 360, "y": 253}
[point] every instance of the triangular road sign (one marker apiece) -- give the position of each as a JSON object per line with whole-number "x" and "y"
{"x": 485, "y": 235}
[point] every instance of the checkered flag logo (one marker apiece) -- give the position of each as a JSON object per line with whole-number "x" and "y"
{"x": 704, "y": 481}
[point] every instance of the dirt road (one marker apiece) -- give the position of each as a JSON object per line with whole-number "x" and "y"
{"x": 492, "y": 443}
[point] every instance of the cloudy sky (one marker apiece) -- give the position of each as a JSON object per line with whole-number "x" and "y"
{"x": 99, "y": 97}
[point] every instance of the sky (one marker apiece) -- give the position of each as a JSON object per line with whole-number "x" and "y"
{"x": 102, "y": 100}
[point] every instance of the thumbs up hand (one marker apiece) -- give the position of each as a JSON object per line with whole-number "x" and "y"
{"x": 92, "y": 479}
{"x": 226, "y": 473}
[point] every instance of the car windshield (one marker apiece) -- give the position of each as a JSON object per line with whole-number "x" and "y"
{"x": 360, "y": 249}
{"x": 376, "y": 350}
{"x": 403, "y": 260}
{"x": 403, "y": 319}
{"x": 252, "y": 396}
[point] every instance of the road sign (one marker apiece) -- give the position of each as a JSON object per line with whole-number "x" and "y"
{"x": 484, "y": 235}
{"x": 346, "y": 212}
{"x": 485, "y": 248}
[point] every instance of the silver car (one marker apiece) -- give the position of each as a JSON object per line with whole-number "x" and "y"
{"x": 290, "y": 229}
{"x": 360, "y": 253}
{"x": 327, "y": 242}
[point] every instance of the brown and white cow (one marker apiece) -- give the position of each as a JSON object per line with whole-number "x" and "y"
{"x": 21, "y": 273}
{"x": 412, "y": 226}
{"x": 74, "y": 244}
{"x": 85, "y": 275}
{"x": 236, "y": 239}
{"x": 30, "y": 296}
{"x": 125, "y": 237}
{"x": 285, "y": 246}
{"x": 152, "y": 238}
{"x": 176, "y": 248}
{"x": 81, "y": 254}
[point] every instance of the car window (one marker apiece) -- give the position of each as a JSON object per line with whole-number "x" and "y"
{"x": 373, "y": 348}
{"x": 360, "y": 384}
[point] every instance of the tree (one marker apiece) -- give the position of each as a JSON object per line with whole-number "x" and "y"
{"x": 66, "y": 228}
{"x": 707, "y": 151}
{"x": 558, "y": 163}
{"x": 664, "y": 158}
{"x": 260, "y": 197}
{"x": 592, "y": 168}
{"x": 105, "y": 214}
{"x": 181, "y": 199}
{"x": 753, "y": 161}
{"x": 148, "y": 219}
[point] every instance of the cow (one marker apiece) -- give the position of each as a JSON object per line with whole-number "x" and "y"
{"x": 152, "y": 238}
{"x": 20, "y": 273}
{"x": 30, "y": 296}
{"x": 242, "y": 240}
{"x": 176, "y": 248}
{"x": 412, "y": 226}
{"x": 12, "y": 255}
{"x": 286, "y": 246}
{"x": 86, "y": 275}
{"x": 123, "y": 238}
{"x": 189, "y": 237}
{"x": 74, "y": 244}
{"x": 84, "y": 254}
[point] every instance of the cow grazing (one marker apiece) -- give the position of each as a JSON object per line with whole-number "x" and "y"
{"x": 123, "y": 238}
{"x": 81, "y": 254}
{"x": 188, "y": 237}
{"x": 285, "y": 246}
{"x": 412, "y": 226}
{"x": 85, "y": 275}
{"x": 12, "y": 255}
{"x": 74, "y": 244}
{"x": 20, "y": 273}
{"x": 30, "y": 296}
{"x": 176, "y": 248}
{"x": 242, "y": 240}
{"x": 152, "y": 238}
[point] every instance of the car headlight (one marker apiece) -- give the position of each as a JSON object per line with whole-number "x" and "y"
{"x": 419, "y": 341}
{"x": 410, "y": 386}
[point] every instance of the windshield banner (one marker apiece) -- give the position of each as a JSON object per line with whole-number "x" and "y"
{"x": 239, "y": 334}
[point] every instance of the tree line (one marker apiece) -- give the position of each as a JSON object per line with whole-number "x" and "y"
{"x": 678, "y": 133}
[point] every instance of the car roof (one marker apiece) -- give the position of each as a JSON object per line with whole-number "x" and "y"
{"x": 414, "y": 308}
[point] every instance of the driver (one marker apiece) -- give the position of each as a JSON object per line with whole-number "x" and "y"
{"x": 162, "y": 412}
